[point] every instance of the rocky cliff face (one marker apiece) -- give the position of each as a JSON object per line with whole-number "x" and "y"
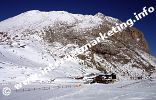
{"x": 119, "y": 54}
{"x": 125, "y": 53}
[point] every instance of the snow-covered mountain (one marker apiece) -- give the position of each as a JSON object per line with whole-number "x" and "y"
{"x": 34, "y": 39}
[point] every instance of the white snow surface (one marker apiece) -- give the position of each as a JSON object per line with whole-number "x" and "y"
{"x": 36, "y": 20}
{"x": 123, "y": 90}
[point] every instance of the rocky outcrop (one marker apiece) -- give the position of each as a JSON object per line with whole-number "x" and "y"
{"x": 119, "y": 52}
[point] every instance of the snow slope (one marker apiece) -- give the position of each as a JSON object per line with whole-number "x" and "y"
{"x": 16, "y": 61}
{"x": 125, "y": 90}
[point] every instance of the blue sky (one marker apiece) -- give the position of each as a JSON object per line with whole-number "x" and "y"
{"x": 121, "y": 9}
